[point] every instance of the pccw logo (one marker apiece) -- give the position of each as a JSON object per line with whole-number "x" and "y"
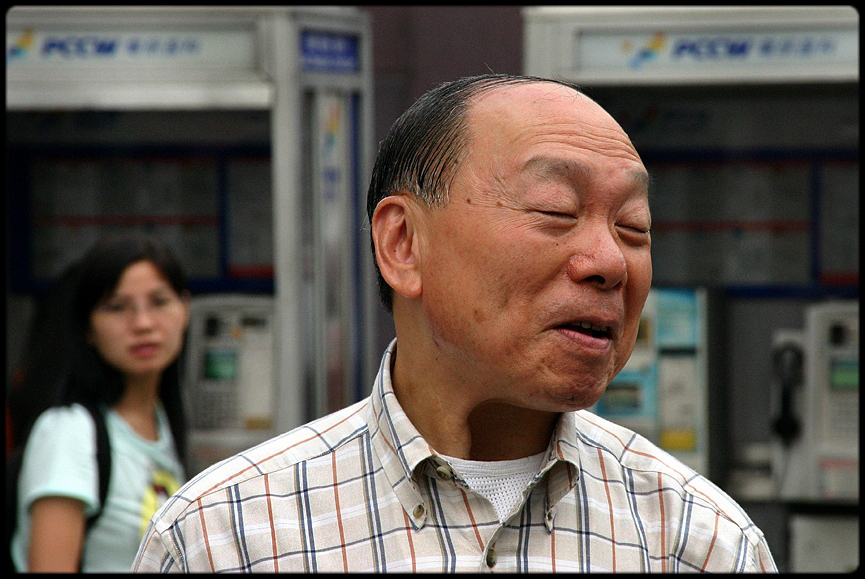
{"x": 20, "y": 47}
{"x": 648, "y": 52}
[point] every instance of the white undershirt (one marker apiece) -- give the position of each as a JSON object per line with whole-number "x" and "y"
{"x": 501, "y": 481}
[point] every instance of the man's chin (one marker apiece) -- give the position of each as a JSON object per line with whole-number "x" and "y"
{"x": 569, "y": 398}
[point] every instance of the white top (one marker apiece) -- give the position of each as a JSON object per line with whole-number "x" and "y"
{"x": 500, "y": 481}
{"x": 60, "y": 460}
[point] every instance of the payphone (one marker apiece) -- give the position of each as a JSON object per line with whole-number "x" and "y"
{"x": 229, "y": 385}
{"x": 815, "y": 458}
{"x": 818, "y": 422}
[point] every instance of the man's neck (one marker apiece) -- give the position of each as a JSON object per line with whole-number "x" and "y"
{"x": 456, "y": 422}
{"x": 505, "y": 432}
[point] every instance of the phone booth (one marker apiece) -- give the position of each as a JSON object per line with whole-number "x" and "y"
{"x": 243, "y": 137}
{"x": 747, "y": 120}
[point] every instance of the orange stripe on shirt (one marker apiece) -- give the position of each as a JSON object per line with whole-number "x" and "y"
{"x": 472, "y": 519}
{"x": 663, "y": 524}
{"x": 272, "y": 528}
{"x": 204, "y": 536}
{"x": 610, "y": 503}
{"x": 712, "y": 544}
{"x": 408, "y": 527}
{"x": 339, "y": 515}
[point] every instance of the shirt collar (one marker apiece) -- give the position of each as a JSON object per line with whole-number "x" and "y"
{"x": 563, "y": 463}
{"x": 397, "y": 442}
{"x": 401, "y": 448}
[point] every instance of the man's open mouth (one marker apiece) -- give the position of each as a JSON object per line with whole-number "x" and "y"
{"x": 589, "y": 329}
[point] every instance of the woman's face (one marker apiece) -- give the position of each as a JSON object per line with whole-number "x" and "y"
{"x": 139, "y": 328}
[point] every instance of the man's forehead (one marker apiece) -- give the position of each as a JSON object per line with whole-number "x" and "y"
{"x": 535, "y": 91}
{"x": 574, "y": 170}
{"x": 524, "y": 116}
{"x": 536, "y": 104}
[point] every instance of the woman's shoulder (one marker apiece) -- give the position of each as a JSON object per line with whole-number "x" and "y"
{"x": 64, "y": 421}
{"x": 59, "y": 457}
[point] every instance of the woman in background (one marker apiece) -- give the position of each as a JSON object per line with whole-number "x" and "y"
{"x": 118, "y": 349}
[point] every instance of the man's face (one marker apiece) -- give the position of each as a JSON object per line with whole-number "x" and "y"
{"x": 536, "y": 271}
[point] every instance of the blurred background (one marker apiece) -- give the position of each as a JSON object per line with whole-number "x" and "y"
{"x": 245, "y": 138}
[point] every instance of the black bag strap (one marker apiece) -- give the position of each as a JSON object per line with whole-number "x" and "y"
{"x": 103, "y": 459}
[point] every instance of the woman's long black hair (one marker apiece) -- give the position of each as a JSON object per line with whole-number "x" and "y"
{"x": 59, "y": 366}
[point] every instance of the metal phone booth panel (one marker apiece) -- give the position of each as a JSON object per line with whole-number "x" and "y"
{"x": 747, "y": 119}
{"x": 269, "y": 110}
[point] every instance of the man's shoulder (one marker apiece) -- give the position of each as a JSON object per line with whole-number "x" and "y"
{"x": 646, "y": 462}
{"x": 278, "y": 454}
{"x": 629, "y": 448}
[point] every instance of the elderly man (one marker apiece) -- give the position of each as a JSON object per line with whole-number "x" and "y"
{"x": 510, "y": 224}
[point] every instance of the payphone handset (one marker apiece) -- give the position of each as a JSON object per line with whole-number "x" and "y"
{"x": 788, "y": 361}
{"x": 229, "y": 368}
{"x": 787, "y": 408}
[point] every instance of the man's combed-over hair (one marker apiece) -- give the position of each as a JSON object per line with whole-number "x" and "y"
{"x": 422, "y": 150}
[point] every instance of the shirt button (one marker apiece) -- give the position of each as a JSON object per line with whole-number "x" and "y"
{"x": 444, "y": 472}
{"x": 418, "y": 511}
{"x": 491, "y": 557}
{"x": 548, "y": 520}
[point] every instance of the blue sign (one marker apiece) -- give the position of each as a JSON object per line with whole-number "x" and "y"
{"x": 667, "y": 52}
{"x": 329, "y": 52}
{"x": 107, "y": 48}
{"x": 767, "y": 46}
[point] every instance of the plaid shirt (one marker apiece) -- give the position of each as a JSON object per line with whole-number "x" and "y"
{"x": 360, "y": 490}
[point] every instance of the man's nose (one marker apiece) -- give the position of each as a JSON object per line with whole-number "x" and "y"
{"x": 598, "y": 259}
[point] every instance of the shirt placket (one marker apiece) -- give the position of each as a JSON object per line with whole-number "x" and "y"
{"x": 503, "y": 544}
{"x": 506, "y": 550}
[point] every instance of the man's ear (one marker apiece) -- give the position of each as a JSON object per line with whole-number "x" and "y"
{"x": 397, "y": 244}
